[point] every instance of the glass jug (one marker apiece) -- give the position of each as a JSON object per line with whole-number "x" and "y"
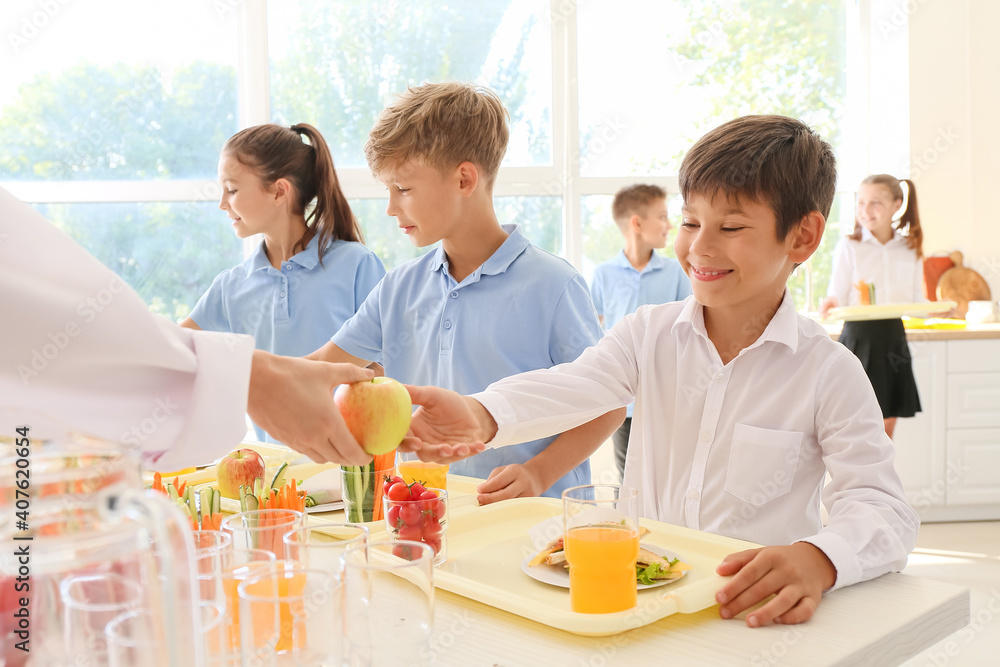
{"x": 76, "y": 526}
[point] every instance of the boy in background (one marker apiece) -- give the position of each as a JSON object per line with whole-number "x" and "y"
{"x": 742, "y": 406}
{"x": 638, "y": 275}
{"x": 484, "y": 305}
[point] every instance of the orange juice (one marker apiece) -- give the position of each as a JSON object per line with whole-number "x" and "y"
{"x": 602, "y": 568}
{"x": 429, "y": 474}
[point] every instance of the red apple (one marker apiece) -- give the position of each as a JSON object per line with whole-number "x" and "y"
{"x": 241, "y": 466}
{"x": 377, "y": 412}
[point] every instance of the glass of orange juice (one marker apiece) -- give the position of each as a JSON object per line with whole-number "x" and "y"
{"x": 429, "y": 474}
{"x": 601, "y": 543}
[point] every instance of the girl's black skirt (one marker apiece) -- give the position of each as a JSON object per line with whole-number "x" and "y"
{"x": 881, "y": 347}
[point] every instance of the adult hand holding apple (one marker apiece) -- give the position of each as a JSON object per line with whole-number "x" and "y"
{"x": 376, "y": 411}
{"x": 236, "y": 468}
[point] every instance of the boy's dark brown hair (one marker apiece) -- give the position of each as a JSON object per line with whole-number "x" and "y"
{"x": 634, "y": 200}
{"x": 773, "y": 160}
{"x": 444, "y": 125}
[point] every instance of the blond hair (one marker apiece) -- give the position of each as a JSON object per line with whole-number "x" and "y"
{"x": 443, "y": 125}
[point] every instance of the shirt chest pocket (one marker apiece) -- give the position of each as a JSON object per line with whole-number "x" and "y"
{"x": 762, "y": 463}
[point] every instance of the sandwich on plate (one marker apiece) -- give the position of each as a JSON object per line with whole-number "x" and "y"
{"x": 649, "y": 567}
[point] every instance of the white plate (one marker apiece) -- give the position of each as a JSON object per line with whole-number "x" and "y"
{"x": 557, "y": 575}
{"x": 546, "y": 531}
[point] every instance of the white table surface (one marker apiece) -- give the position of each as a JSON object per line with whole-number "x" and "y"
{"x": 880, "y": 622}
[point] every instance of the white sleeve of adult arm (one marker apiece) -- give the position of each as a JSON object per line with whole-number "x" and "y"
{"x": 81, "y": 348}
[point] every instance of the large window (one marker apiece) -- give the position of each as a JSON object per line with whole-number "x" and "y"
{"x": 120, "y": 146}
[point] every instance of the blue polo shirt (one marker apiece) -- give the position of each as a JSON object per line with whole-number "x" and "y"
{"x": 293, "y": 310}
{"x": 523, "y": 309}
{"x": 618, "y": 289}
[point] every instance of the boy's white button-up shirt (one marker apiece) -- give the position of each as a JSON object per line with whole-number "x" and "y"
{"x": 893, "y": 267}
{"x": 740, "y": 449}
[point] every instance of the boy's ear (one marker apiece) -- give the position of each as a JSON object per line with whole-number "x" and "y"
{"x": 468, "y": 178}
{"x": 634, "y": 223}
{"x": 806, "y": 237}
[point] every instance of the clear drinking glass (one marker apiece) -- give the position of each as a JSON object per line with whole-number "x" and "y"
{"x": 388, "y": 603}
{"x": 319, "y": 545}
{"x": 421, "y": 521}
{"x": 291, "y": 615}
{"x": 244, "y": 564}
{"x": 90, "y": 602}
{"x": 263, "y": 529}
{"x": 601, "y": 542}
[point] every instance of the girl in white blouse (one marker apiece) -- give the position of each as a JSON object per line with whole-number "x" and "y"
{"x": 889, "y": 255}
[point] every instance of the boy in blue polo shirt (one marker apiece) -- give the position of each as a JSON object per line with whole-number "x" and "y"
{"x": 637, "y": 276}
{"x": 487, "y": 303}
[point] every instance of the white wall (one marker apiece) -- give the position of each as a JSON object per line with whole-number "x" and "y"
{"x": 954, "y": 71}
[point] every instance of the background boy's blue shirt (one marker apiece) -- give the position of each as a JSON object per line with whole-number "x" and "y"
{"x": 521, "y": 310}
{"x": 290, "y": 311}
{"x": 618, "y": 289}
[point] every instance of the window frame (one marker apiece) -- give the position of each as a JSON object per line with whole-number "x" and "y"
{"x": 560, "y": 179}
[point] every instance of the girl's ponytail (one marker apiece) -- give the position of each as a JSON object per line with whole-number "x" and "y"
{"x": 909, "y": 222}
{"x": 331, "y": 219}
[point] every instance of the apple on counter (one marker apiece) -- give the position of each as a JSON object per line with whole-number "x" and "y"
{"x": 377, "y": 413}
{"x": 239, "y": 467}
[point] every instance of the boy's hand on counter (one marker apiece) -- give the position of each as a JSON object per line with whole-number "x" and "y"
{"x": 510, "y": 481}
{"x": 447, "y": 426}
{"x": 796, "y": 575}
{"x": 292, "y": 399}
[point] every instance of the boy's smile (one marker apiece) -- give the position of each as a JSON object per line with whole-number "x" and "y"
{"x": 730, "y": 250}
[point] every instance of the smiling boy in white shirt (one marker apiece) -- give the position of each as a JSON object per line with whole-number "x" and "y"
{"x": 741, "y": 405}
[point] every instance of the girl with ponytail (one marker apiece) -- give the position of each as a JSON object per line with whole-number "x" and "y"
{"x": 311, "y": 272}
{"x": 886, "y": 252}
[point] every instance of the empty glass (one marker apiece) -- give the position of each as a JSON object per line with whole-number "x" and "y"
{"x": 90, "y": 602}
{"x": 388, "y": 603}
{"x": 319, "y": 545}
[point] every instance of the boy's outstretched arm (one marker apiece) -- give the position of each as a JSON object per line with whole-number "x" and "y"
{"x": 796, "y": 575}
{"x": 447, "y": 426}
{"x": 538, "y": 474}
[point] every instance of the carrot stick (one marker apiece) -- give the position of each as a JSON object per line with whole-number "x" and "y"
{"x": 157, "y": 481}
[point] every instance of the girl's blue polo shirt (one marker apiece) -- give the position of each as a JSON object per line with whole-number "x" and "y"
{"x": 292, "y": 310}
{"x": 523, "y": 309}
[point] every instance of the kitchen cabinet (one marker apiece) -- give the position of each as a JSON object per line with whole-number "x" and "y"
{"x": 948, "y": 456}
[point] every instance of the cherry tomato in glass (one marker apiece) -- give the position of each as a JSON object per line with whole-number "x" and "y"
{"x": 410, "y": 533}
{"x": 416, "y": 489}
{"x": 434, "y": 544}
{"x": 393, "y": 516}
{"x": 398, "y": 491}
{"x": 432, "y": 530}
{"x": 409, "y": 513}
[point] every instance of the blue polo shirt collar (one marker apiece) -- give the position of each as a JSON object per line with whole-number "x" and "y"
{"x": 515, "y": 244}
{"x": 656, "y": 262}
{"x": 307, "y": 258}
